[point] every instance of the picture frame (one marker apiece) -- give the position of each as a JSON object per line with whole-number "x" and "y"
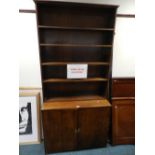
{"x": 29, "y": 118}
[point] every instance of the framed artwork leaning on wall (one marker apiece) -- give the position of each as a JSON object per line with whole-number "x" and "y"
{"x": 29, "y": 118}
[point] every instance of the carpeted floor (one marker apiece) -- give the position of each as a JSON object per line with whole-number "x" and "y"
{"x": 38, "y": 149}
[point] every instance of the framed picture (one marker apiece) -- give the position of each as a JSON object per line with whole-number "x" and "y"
{"x": 29, "y": 118}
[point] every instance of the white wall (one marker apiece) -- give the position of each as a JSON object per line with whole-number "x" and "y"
{"x": 126, "y": 6}
{"x": 29, "y": 67}
{"x": 124, "y": 49}
{"x": 123, "y": 59}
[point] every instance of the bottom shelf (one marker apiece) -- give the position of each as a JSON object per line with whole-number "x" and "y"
{"x": 76, "y": 98}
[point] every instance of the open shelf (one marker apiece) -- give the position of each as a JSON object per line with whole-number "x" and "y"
{"x": 81, "y": 38}
{"x": 76, "y": 98}
{"x": 75, "y": 80}
{"x": 65, "y": 63}
{"x": 69, "y": 35}
{"x": 82, "y": 87}
{"x": 75, "y": 54}
{"x": 70, "y": 16}
{"x": 75, "y": 28}
{"x": 76, "y": 45}
{"x": 60, "y": 71}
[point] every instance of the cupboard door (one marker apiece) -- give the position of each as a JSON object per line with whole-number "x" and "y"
{"x": 123, "y": 121}
{"x": 93, "y": 126}
{"x": 69, "y": 125}
{"x": 59, "y": 130}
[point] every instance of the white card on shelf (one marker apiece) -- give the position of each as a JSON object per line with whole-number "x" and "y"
{"x": 77, "y": 71}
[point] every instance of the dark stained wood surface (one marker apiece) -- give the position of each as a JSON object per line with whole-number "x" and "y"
{"x": 68, "y": 34}
{"x": 93, "y": 124}
{"x": 74, "y": 89}
{"x": 123, "y": 111}
{"x": 75, "y": 32}
{"x": 123, "y": 121}
{"x": 80, "y": 127}
{"x": 123, "y": 87}
{"x": 59, "y": 130}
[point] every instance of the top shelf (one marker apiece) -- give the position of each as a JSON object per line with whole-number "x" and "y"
{"x": 75, "y": 28}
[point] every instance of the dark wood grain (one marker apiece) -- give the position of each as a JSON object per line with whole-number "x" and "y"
{"x": 76, "y": 112}
{"x": 73, "y": 53}
{"x": 71, "y": 35}
{"x": 123, "y": 121}
{"x": 59, "y": 130}
{"x": 93, "y": 127}
{"x": 82, "y": 37}
{"x": 123, "y": 111}
{"x": 69, "y": 89}
{"x": 94, "y": 73}
{"x": 123, "y": 87}
{"x": 75, "y": 124}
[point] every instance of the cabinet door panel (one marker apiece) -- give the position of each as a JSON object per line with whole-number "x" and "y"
{"x": 52, "y": 130}
{"x": 123, "y": 118}
{"x": 69, "y": 124}
{"x": 59, "y": 130}
{"x": 93, "y": 126}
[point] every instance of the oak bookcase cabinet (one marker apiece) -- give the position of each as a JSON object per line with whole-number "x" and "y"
{"x": 75, "y": 111}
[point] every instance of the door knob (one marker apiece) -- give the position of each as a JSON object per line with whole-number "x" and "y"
{"x": 77, "y": 130}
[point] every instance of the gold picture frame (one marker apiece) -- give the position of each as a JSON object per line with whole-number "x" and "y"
{"x": 29, "y": 118}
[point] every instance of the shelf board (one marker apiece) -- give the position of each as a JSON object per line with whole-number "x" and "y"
{"x": 76, "y": 98}
{"x": 65, "y": 63}
{"x": 74, "y": 80}
{"x": 75, "y": 28}
{"x": 54, "y": 105}
{"x": 75, "y": 45}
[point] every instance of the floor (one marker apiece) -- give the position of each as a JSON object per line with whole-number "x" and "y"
{"x": 38, "y": 149}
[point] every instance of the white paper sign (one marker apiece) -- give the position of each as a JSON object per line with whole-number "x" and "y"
{"x": 77, "y": 71}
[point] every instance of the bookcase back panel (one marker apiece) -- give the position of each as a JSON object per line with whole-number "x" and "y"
{"x": 75, "y": 16}
{"x": 52, "y": 90}
{"x": 61, "y": 71}
{"x": 75, "y": 54}
{"x": 75, "y": 37}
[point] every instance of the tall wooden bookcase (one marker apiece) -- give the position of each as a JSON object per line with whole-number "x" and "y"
{"x": 75, "y": 112}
